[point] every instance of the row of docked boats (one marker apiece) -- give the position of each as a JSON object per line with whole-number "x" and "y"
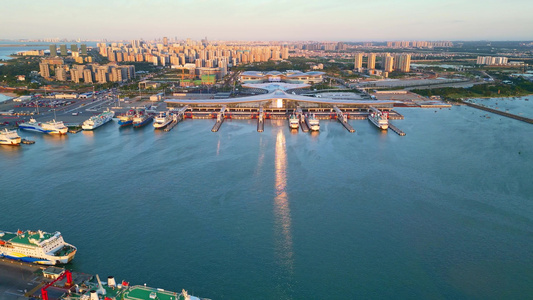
{"x": 11, "y": 137}
{"x": 312, "y": 122}
{"x": 139, "y": 118}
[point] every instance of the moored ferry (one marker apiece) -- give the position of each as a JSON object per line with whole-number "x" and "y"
{"x": 126, "y": 119}
{"x": 36, "y": 247}
{"x": 293, "y": 122}
{"x": 51, "y": 127}
{"x": 9, "y": 137}
{"x": 141, "y": 118}
{"x": 380, "y": 119}
{"x": 162, "y": 120}
{"x": 313, "y": 123}
{"x": 99, "y": 120}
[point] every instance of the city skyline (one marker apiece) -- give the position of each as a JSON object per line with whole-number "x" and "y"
{"x": 340, "y": 20}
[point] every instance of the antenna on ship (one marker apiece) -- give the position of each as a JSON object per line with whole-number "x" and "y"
{"x": 101, "y": 289}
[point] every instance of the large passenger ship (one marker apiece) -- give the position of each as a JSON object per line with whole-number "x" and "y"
{"x": 9, "y": 137}
{"x": 36, "y": 247}
{"x": 99, "y": 120}
{"x": 380, "y": 119}
{"x": 313, "y": 122}
{"x": 51, "y": 127}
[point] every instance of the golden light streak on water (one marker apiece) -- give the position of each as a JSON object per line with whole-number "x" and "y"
{"x": 261, "y": 158}
{"x": 281, "y": 205}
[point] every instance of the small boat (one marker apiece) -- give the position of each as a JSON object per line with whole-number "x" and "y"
{"x": 9, "y": 137}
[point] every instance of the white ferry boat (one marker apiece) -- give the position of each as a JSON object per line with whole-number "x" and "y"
{"x": 294, "y": 122}
{"x": 9, "y": 137}
{"x": 380, "y": 119}
{"x": 162, "y": 120}
{"x": 99, "y": 120}
{"x": 313, "y": 123}
{"x": 36, "y": 247}
{"x": 51, "y": 127}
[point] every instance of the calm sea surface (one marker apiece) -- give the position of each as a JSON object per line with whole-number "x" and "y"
{"x": 444, "y": 212}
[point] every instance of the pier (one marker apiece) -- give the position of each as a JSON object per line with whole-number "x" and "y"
{"x": 499, "y": 112}
{"x": 176, "y": 118}
{"x": 303, "y": 123}
{"x": 260, "y": 120}
{"x": 396, "y": 129}
{"x": 341, "y": 117}
{"x": 220, "y": 119}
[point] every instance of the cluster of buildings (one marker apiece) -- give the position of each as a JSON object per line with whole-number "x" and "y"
{"x": 389, "y": 63}
{"x": 291, "y": 76}
{"x": 419, "y": 44}
{"x": 491, "y": 60}
{"x": 198, "y": 58}
{"x": 78, "y": 53}
{"x": 90, "y": 73}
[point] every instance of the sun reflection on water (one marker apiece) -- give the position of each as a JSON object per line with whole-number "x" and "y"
{"x": 281, "y": 205}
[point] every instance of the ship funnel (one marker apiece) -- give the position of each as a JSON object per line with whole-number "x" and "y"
{"x": 111, "y": 281}
{"x": 93, "y": 296}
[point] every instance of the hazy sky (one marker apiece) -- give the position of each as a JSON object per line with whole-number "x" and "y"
{"x": 335, "y": 20}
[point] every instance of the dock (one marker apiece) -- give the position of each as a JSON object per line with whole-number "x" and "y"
{"x": 341, "y": 117}
{"x": 303, "y": 123}
{"x": 396, "y": 129}
{"x": 260, "y": 120}
{"x": 499, "y": 112}
{"x": 220, "y": 119}
{"x": 176, "y": 118}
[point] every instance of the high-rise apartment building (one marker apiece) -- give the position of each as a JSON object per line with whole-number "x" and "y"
{"x": 61, "y": 74}
{"x": 53, "y": 50}
{"x": 388, "y": 63}
{"x": 44, "y": 70}
{"x": 83, "y": 49}
{"x": 358, "y": 62}
{"x": 63, "y": 50}
{"x": 405, "y": 63}
{"x": 87, "y": 76}
{"x": 371, "y": 61}
{"x": 74, "y": 48}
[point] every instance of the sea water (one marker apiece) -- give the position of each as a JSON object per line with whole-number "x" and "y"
{"x": 443, "y": 212}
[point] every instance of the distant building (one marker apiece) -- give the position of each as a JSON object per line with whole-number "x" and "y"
{"x": 74, "y": 48}
{"x": 61, "y": 74}
{"x": 358, "y": 62}
{"x": 83, "y": 49}
{"x": 492, "y": 60}
{"x": 388, "y": 63}
{"x": 44, "y": 70}
{"x": 63, "y": 50}
{"x": 53, "y": 50}
{"x": 275, "y": 76}
{"x": 371, "y": 61}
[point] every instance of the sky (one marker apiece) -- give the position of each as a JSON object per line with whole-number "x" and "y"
{"x": 283, "y": 20}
